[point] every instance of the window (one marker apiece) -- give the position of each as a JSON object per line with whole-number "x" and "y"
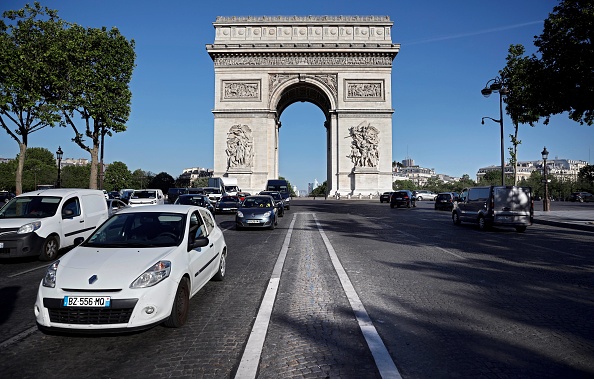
{"x": 71, "y": 205}
{"x": 210, "y": 224}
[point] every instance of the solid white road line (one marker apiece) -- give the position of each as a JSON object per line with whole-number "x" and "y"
{"x": 382, "y": 358}
{"x": 248, "y": 367}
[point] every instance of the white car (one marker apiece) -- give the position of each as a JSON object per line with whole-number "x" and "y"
{"x": 138, "y": 269}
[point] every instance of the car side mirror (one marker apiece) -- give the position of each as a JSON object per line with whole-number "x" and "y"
{"x": 78, "y": 241}
{"x": 67, "y": 213}
{"x": 198, "y": 242}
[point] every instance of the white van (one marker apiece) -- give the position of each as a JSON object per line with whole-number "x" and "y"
{"x": 146, "y": 197}
{"x": 42, "y": 222}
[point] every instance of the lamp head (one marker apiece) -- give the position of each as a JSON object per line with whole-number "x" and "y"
{"x": 59, "y": 153}
{"x": 544, "y": 153}
{"x": 483, "y": 121}
{"x": 486, "y": 92}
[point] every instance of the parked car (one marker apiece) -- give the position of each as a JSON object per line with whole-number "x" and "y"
{"x": 40, "y": 223}
{"x": 173, "y": 193}
{"x": 256, "y": 212}
{"x": 402, "y": 198}
{"x": 445, "y": 200}
{"x": 582, "y": 197}
{"x": 198, "y": 200}
{"x": 279, "y": 202}
{"x": 421, "y": 195}
{"x": 146, "y": 197}
{"x": 495, "y": 206}
{"x": 114, "y": 194}
{"x": 5, "y": 197}
{"x": 386, "y": 197}
{"x": 115, "y": 205}
{"x": 125, "y": 194}
{"x": 227, "y": 204}
{"x": 156, "y": 257}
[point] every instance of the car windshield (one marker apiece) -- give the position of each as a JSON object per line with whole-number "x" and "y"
{"x": 256, "y": 202}
{"x": 229, "y": 199}
{"x": 190, "y": 200}
{"x": 31, "y": 207}
{"x": 139, "y": 229}
{"x": 144, "y": 195}
{"x": 275, "y": 195}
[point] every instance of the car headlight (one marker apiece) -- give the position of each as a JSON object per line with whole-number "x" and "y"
{"x": 267, "y": 214}
{"x": 153, "y": 275}
{"x": 49, "y": 280}
{"x": 239, "y": 214}
{"x": 28, "y": 228}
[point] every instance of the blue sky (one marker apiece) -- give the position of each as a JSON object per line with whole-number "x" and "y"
{"x": 449, "y": 50}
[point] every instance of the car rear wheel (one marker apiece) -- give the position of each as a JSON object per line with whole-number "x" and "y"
{"x": 419, "y": 198}
{"x": 456, "y": 218}
{"x": 181, "y": 306}
{"x": 50, "y": 248}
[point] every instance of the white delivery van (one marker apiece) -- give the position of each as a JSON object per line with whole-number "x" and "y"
{"x": 146, "y": 197}
{"x": 40, "y": 223}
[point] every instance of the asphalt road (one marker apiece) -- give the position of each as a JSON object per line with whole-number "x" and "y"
{"x": 444, "y": 301}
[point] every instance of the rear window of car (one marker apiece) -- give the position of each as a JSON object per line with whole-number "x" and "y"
{"x": 444, "y": 196}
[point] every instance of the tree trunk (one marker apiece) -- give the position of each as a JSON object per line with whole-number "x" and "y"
{"x": 94, "y": 166}
{"x": 19, "y": 172}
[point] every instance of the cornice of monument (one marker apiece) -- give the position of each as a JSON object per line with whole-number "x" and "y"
{"x": 301, "y": 19}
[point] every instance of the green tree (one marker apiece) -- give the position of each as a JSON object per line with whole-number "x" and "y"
{"x": 320, "y": 190}
{"x": 198, "y": 183}
{"x": 117, "y": 176}
{"x": 162, "y": 181}
{"x": 140, "y": 179}
{"x": 403, "y": 184}
{"x": 95, "y": 87}
{"x": 7, "y": 175}
{"x": 517, "y": 79}
{"x": 39, "y": 168}
{"x": 567, "y": 61}
{"x": 29, "y": 53}
{"x": 75, "y": 176}
{"x": 586, "y": 178}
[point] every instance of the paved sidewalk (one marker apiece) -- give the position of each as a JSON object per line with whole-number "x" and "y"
{"x": 580, "y": 220}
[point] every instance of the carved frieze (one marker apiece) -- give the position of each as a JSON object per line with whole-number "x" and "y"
{"x": 241, "y": 90}
{"x": 365, "y": 145}
{"x": 364, "y": 90}
{"x": 321, "y": 60}
{"x": 240, "y": 144}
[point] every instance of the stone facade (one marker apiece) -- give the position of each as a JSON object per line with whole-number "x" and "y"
{"x": 342, "y": 64}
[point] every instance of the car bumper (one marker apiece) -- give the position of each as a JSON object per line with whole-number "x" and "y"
{"x": 130, "y": 309}
{"x": 15, "y": 245}
{"x": 253, "y": 223}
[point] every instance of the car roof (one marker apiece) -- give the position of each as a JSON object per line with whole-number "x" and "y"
{"x": 169, "y": 208}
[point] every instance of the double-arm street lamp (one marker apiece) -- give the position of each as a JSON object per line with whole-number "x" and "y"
{"x": 496, "y": 85}
{"x": 59, "y": 155}
{"x": 546, "y": 205}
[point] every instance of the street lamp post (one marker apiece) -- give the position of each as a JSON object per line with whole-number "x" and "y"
{"x": 59, "y": 155}
{"x": 496, "y": 85}
{"x": 546, "y": 205}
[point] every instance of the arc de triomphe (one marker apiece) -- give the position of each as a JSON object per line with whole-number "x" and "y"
{"x": 342, "y": 64}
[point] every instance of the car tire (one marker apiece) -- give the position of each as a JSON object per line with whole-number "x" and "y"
{"x": 49, "y": 250}
{"x": 482, "y": 224}
{"x": 220, "y": 275}
{"x": 521, "y": 229}
{"x": 419, "y": 198}
{"x": 456, "y": 218}
{"x": 391, "y": 205}
{"x": 408, "y": 204}
{"x": 181, "y": 306}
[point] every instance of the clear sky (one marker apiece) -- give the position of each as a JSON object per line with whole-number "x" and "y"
{"x": 449, "y": 50}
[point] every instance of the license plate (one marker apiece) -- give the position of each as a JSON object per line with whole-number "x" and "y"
{"x": 505, "y": 218}
{"x": 253, "y": 221}
{"x": 226, "y": 209}
{"x": 87, "y": 301}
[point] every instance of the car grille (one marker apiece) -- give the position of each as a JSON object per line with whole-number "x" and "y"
{"x": 119, "y": 313}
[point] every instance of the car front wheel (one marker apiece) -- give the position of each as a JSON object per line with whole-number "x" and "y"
{"x": 181, "y": 306}
{"x": 50, "y": 248}
{"x": 456, "y": 218}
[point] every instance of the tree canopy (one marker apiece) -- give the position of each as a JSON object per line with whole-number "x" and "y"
{"x": 29, "y": 53}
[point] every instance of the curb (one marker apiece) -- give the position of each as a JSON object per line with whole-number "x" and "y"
{"x": 583, "y": 227}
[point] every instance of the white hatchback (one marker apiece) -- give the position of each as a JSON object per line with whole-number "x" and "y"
{"x": 146, "y": 197}
{"x": 138, "y": 269}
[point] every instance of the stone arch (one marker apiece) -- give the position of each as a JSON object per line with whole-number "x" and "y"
{"x": 342, "y": 64}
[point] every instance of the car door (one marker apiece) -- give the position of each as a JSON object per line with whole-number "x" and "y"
{"x": 201, "y": 258}
{"x": 73, "y": 222}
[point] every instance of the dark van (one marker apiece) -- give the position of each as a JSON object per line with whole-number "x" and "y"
{"x": 495, "y": 206}
{"x": 282, "y": 186}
